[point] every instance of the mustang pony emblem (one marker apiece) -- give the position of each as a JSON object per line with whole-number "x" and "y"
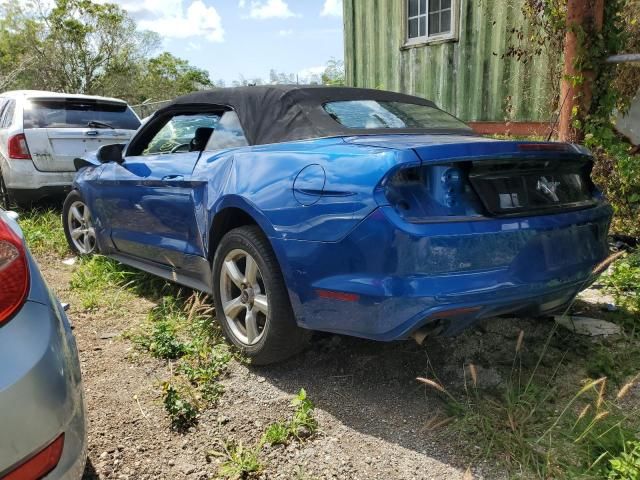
{"x": 548, "y": 187}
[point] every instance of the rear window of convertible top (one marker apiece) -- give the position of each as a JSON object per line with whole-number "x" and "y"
{"x": 72, "y": 113}
{"x": 373, "y": 114}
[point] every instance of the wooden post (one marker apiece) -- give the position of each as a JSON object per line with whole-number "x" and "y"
{"x": 589, "y": 15}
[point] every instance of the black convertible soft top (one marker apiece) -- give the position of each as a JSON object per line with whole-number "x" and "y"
{"x": 281, "y": 113}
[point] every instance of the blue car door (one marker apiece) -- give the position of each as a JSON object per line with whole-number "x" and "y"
{"x": 147, "y": 200}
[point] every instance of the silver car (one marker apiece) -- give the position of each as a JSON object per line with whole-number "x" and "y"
{"x": 42, "y": 414}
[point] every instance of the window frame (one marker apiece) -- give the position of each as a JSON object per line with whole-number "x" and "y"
{"x": 450, "y": 36}
{"x": 149, "y": 130}
{"x": 8, "y": 114}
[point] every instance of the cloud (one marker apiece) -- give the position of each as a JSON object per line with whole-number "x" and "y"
{"x": 242, "y": 3}
{"x": 176, "y": 18}
{"x": 270, "y": 9}
{"x": 332, "y": 8}
{"x": 285, "y": 33}
{"x": 311, "y": 73}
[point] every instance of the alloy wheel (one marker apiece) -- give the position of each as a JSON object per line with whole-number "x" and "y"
{"x": 244, "y": 299}
{"x": 81, "y": 230}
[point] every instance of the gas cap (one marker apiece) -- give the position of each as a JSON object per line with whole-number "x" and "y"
{"x": 309, "y": 184}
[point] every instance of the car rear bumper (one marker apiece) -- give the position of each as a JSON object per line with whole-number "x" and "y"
{"x": 388, "y": 278}
{"x": 41, "y": 389}
{"x": 22, "y": 175}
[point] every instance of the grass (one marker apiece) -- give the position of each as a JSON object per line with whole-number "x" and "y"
{"x": 543, "y": 422}
{"x": 300, "y": 426}
{"x": 241, "y": 462}
{"x": 43, "y": 232}
{"x": 180, "y": 330}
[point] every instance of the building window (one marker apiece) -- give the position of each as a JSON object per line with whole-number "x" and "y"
{"x": 429, "y": 19}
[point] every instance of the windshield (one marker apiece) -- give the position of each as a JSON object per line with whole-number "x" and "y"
{"x": 78, "y": 113}
{"x": 372, "y": 114}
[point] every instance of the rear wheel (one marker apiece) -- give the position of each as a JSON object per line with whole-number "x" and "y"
{"x": 78, "y": 225}
{"x": 252, "y": 303}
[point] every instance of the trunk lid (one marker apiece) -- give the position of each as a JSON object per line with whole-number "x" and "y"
{"x": 54, "y": 149}
{"x": 60, "y": 129}
{"x": 467, "y": 175}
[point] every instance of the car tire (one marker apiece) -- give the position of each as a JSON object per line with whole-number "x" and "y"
{"x": 78, "y": 225}
{"x": 246, "y": 272}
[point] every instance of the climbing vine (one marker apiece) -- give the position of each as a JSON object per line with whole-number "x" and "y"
{"x": 617, "y": 168}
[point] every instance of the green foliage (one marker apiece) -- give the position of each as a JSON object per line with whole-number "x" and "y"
{"x": 276, "y": 434}
{"x": 302, "y": 424}
{"x": 240, "y": 461}
{"x": 624, "y": 281}
{"x": 80, "y": 46}
{"x": 334, "y": 74}
{"x": 536, "y": 425}
{"x": 626, "y": 466}
{"x": 43, "y": 232}
{"x": 182, "y": 412}
{"x": 100, "y": 281}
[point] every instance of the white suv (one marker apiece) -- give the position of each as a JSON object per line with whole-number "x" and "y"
{"x": 41, "y": 133}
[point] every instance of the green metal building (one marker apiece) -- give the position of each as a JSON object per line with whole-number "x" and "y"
{"x": 451, "y": 52}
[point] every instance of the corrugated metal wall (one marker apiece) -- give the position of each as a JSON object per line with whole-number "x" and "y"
{"x": 467, "y": 77}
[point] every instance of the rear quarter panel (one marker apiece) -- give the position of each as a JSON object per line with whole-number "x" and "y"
{"x": 325, "y": 205}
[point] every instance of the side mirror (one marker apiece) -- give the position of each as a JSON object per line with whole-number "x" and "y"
{"x": 110, "y": 153}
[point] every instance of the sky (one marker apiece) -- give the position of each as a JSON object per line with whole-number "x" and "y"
{"x": 233, "y": 38}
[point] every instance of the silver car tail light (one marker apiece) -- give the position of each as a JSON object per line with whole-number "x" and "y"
{"x": 14, "y": 272}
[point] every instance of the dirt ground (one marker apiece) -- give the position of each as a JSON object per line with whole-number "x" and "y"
{"x": 373, "y": 416}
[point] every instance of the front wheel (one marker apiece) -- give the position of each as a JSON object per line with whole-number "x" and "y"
{"x": 78, "y": 225}
{"x": 252, "y": 303}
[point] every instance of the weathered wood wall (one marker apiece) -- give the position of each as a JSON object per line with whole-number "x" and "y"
{"x": 468, "y": 77}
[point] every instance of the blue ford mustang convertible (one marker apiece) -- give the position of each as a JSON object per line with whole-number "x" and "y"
{"x": 361, "y": 212}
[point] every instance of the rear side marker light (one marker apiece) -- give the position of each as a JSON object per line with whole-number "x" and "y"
{"x": 333, "y": 295}
{"x": 18, "y": 149}
{"x": 40, "y": 464}
{"x": 14, "y": 272}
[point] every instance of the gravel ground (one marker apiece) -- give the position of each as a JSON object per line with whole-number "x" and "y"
{"x": 372, "y": 413}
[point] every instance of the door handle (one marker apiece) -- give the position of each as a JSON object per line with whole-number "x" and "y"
{"x": 172, "y": 177}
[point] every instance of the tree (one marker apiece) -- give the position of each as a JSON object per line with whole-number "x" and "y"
{"x": 167, "y": 76}
{"x": 334, "y": 73}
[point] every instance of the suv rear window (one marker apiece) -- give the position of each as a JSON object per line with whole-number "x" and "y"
{"x": 373, "y": 114}
{"x": 72, "y": 113}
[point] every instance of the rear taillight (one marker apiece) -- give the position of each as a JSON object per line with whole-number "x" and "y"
{"x": 40, "y": 464}
{"x": 14, "y": 272}
{"x": 18, "y": 149}
{"x": 432, "y": 192}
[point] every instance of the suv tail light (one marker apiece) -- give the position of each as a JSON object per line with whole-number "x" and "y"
{"x": 14, "y": 272}
{"x": 18, "y": 149}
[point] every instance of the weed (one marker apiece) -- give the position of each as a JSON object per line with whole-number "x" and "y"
{"x": 276, "y": 434}
{"x": 624, "y": 281}
{"x": 534, "y": 425}
{"x": 43, "y": 232}
{"x": 302, "y": 424}
{"x": 182, "y": 412}
{"x": 239, "y": 461}
{"x": 626, "y": 466}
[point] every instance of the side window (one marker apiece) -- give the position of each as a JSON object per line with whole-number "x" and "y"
{"x": 6, "y": 119}
{"x": 183, "y": 133}
{"x": 228, "y": 133}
